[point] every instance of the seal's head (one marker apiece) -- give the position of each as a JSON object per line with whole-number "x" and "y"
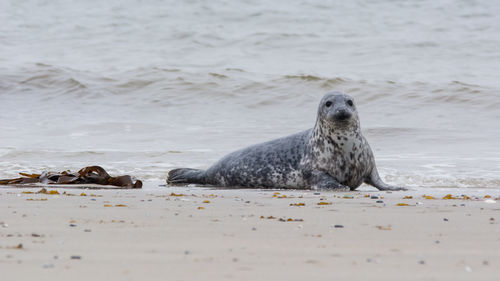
{"x": 337, "y": 111}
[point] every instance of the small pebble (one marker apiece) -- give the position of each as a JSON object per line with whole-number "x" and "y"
{"x": 316, "y": 193}
{"x": 72, "y": 225}
{"x": 254, "y": 229}
{"x": 373, "y": 197}
{"x": 445, "y": 219}
{"x": 437, "y": 242}
{"x": 76, "y": 257}
{"x": 35, "y": 235}
{"x": 338, "y": 226}
{"x": 486, "y": 263}
{"x": 463, "y": 205}
{"x": 93, "y": 199}
{"x": 150, "y": 200}
{"x": 421, "y": 262}
{"x": 368, "y": 260}
{"x": 48, "y": 265}
{"x": 87, "y": 230}
{"x": 380, "y": 201}
{"x": 186, "y": 252}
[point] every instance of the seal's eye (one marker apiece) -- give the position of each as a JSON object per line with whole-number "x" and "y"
{"x": 328, "y": 103}
{"x": 350, "y": 103}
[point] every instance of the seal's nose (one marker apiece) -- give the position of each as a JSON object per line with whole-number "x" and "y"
{"x": 342, "y": 115}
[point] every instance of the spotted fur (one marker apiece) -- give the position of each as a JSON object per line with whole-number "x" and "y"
{"x": 332, "y": 155}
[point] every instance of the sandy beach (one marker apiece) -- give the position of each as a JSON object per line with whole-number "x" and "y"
{"x": 193, "y": 233}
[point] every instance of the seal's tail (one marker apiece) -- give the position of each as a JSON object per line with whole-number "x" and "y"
{"x": 185, "y": 175}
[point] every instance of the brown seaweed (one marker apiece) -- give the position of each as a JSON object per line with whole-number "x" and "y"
{"x": 88, "y": 175}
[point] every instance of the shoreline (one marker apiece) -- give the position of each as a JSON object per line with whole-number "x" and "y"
{"x": 186, "y": 233}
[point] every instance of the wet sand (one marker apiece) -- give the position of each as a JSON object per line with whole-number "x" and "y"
{"x": 153, "y": 234}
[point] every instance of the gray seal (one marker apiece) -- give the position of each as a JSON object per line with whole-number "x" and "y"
{"x": 332, "y": 155}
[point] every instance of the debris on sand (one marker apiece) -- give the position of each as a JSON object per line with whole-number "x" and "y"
{"x": 87, "y": 175}
{"x": 324, "y": 203}
{"x": 381, "y": 227}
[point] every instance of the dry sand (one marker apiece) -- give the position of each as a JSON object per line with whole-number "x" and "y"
{"x": 238, "y": 235}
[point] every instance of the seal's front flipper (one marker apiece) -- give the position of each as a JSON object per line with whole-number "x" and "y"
{"x": 185, "y": 175}
{"x": 322, "y": 180}
{"x": 374, "y": 180}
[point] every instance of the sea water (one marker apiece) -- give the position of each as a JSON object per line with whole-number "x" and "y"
{"x": 141, "y": 87}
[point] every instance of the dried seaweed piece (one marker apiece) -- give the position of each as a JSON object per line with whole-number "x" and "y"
{"x": 94, "y": 174}
{"x": 380, "y": 227}
{"x": 124, "y": 181}
{"x": 87, "y": 175}
{"x": 449, "y": 197}
{"x": 68, "y": 179}
{"x": 19, "y": 181}
{"x": 35, "y": 176}
{"x": 324, "y": 203}
{"x": 49, "y": 192}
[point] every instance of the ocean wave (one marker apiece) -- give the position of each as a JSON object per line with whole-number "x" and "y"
{"x": 174, "y": 87}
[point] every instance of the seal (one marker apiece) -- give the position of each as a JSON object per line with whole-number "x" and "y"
{"x": 332, "y": 155}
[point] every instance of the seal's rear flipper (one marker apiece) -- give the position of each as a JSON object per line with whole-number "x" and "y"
{"x": 185, "y": 175}
{"x": 374, "y": 179}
